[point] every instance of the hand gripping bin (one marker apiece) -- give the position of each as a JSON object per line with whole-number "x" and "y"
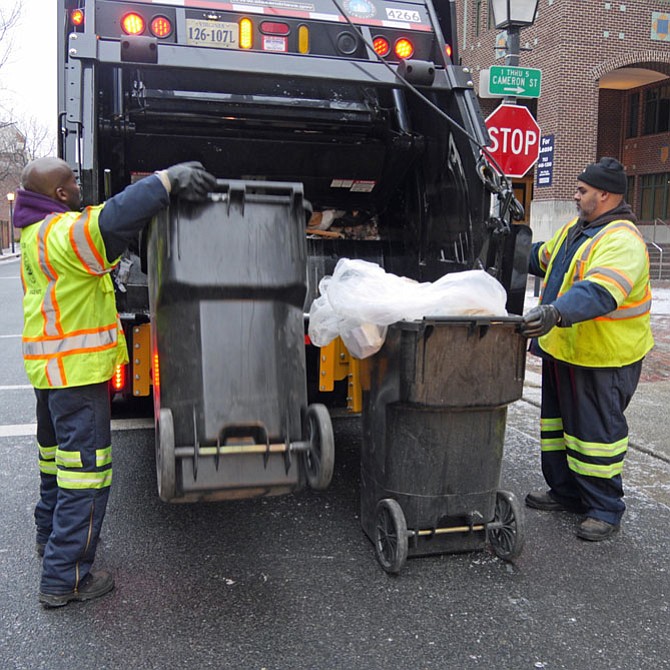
{"x": 434, "y": 414}
{"x": 227, "y": 283}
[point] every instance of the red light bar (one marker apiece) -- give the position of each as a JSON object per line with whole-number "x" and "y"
{"x": 119, "y": 378}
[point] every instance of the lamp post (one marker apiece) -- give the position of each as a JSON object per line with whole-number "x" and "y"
{"x": 512, "y": 15}
{"x": 10, "y": 200}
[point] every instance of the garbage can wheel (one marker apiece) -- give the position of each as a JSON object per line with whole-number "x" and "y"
{"x": 320, "y": 457}
{"x": 390, "y": 535}
{"x": 165, "y": 457}
{"x": 508, "y": 538}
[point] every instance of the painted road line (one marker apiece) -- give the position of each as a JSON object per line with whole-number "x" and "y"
{"x": 28, "y": 429}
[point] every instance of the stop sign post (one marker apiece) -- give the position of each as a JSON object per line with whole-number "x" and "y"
{"x": 515, "y": 139}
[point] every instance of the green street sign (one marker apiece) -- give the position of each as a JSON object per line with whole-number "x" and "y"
{"x": 522, "y": 82}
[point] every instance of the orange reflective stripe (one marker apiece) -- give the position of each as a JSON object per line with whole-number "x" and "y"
{"x": 98, "y": 339}
{"x": 631, "y": 311}
{"x": 84, "y": 247}
{"x": 50, "y": 310}
{"x": 620, "y": 279}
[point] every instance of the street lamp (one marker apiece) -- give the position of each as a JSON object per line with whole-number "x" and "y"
{"x": 513, "y": 15}
{"x": 10, "y": 200}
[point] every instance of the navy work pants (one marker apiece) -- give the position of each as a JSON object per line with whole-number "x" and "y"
{"x": 584, "y": 435}
{"x": 74, "y": 437}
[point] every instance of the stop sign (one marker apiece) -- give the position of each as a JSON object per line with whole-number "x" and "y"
{"x": 515, "y": 139}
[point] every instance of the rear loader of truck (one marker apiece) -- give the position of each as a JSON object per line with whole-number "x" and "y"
{"x": 360, "y": 108}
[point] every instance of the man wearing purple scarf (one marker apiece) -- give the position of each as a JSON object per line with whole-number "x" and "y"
{"x": 72, "y": 341}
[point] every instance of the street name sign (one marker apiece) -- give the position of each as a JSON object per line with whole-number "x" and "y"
{"x": 515, "y": 139}
{"x": 522, "y": 82}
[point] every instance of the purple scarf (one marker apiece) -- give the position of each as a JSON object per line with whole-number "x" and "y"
{"x": 32, "y": 207}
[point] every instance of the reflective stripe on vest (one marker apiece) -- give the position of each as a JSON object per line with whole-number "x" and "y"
{"x": 51, "y": 348}
{"x": 619, "y": 278}
{"x": 84, "y": 248}
{"x": 50, "y": 304}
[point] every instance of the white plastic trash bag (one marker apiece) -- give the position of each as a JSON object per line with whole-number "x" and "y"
{"x": 361, "y": 299}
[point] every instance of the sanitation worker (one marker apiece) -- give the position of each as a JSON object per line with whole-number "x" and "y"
{"x": 72, "y": 341}
{"x": 592, "y": 330}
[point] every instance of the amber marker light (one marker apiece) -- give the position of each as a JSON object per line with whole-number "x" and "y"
{"x": 246, "y": 33}
{"x": 77, "y": 17}
{"x": 132, "y": 24}
{"x": 403, "y": 48}
{"x": 303, "y": 40}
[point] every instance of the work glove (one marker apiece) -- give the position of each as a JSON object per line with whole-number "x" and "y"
{"x": 539, "y": 321}
{"x": 190, "y": 181}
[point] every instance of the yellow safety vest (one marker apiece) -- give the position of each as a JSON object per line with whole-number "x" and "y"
{"x": 72, "y": 335}
{"x": 615, "y": 258}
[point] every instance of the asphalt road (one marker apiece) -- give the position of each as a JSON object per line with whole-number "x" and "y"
{"x": 292, "y": 583}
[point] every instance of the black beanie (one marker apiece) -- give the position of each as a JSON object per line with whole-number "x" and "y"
{"x": 606, "y": 175}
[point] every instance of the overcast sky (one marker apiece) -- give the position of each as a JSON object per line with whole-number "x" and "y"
{"x": 28, "y": 78}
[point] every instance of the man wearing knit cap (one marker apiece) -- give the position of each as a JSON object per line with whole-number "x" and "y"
{"x": 592, "y": 330}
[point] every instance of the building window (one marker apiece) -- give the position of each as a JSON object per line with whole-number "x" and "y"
{"x": 657, "y": 110}
{"x": 478, "y": 16}
{"x": 654, "y": 196}
{"x": 633, "y": 115}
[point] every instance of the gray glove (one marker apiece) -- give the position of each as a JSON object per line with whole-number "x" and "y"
{"x": 190, "y": 181}
{"x": 539, "y": 321}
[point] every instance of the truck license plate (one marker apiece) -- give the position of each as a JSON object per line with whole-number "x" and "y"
{"x": 212, "y": 34}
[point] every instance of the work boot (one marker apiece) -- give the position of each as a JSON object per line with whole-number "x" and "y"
{"x": 94, "y": 585}
{"x": 546, "y": 502}
{"x": 595, "y": 530}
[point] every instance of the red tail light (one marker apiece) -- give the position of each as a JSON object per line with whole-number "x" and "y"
{"x": 381, "y": 46}
{"x": 160, "y": 26}
{"x": 132, "y": 24}
{"x": 448, "y": 50}
{"x": 274, "y": 28}
{"x": 119, "y": 378}
{"x": 403, "y": 48}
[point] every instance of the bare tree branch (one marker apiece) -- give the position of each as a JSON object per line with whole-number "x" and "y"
{"x": 8, "y": 19}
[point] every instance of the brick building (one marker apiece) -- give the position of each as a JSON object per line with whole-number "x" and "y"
{"x": 605, "y": 92}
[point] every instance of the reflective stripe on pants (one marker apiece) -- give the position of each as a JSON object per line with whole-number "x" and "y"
{"x": 587, "y": 406}
{"x": 76, "y": 419}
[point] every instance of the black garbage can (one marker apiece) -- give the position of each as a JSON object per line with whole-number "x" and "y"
{"x": 227, "y": 283}
{"x": 434, "y": 418}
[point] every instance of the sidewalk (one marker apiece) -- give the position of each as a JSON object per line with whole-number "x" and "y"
{"x": 7, "y": 254}
{"x": 648, "y": 411}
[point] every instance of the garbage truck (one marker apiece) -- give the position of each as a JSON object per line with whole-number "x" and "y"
{"x": 360, "y": 109}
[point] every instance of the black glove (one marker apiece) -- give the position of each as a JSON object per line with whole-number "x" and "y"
{"x": 539, "y": 321}
{"x": 190, "y": 181}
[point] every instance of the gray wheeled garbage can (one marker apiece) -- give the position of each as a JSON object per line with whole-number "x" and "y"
{"x": 227, "y": 283}
{"x": 434, "y": 419}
